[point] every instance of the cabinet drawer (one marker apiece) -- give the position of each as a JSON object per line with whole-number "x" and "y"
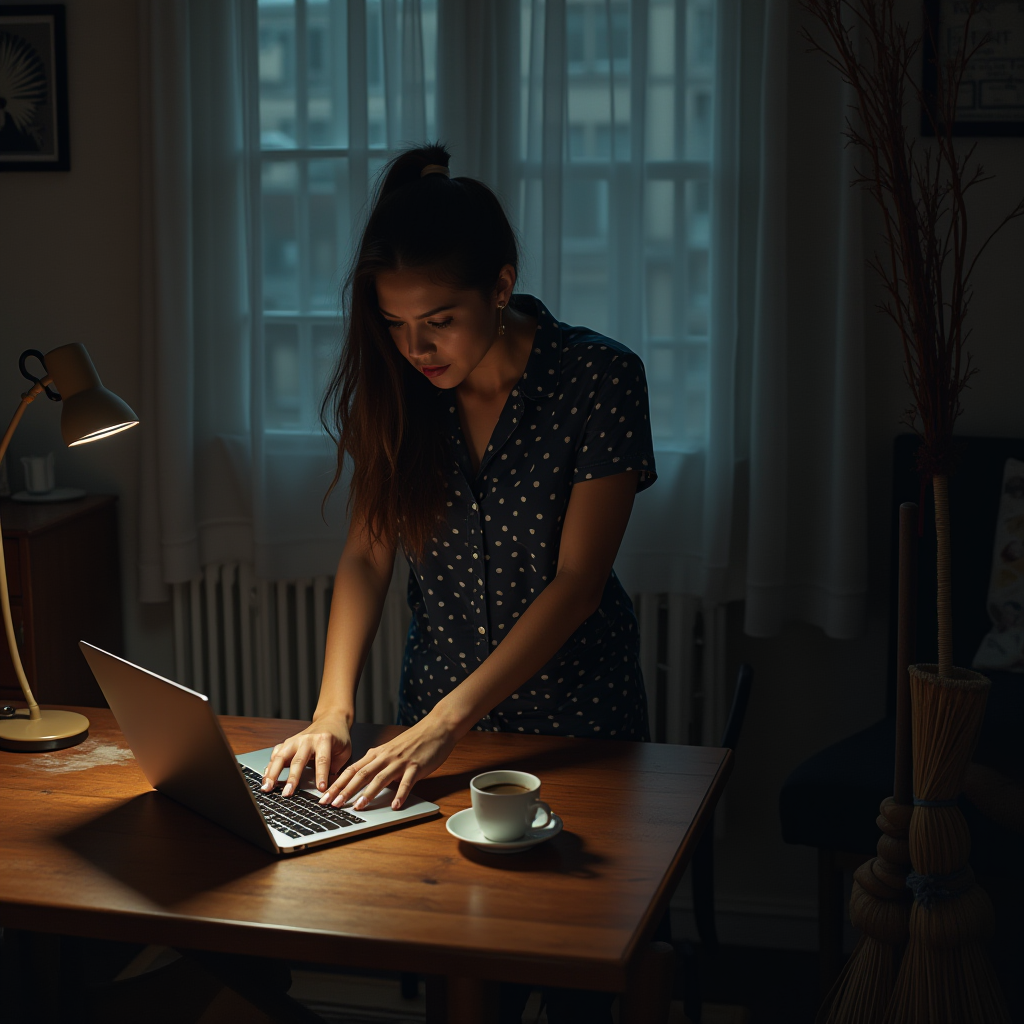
{"x": 10, "y": 689}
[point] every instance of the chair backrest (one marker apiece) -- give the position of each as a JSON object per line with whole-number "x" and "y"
{"x": 738, "y": 711}
{"x": 974, "y": 491}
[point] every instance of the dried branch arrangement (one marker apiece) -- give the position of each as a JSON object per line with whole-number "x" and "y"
{"x": 921, "y": 188}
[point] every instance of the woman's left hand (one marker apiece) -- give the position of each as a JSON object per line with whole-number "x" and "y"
{"x": 405, "y": 760}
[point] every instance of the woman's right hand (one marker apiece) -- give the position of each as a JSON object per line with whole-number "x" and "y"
{"x": 326, "y": 741}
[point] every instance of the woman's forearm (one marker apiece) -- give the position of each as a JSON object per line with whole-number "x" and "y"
{"x": 360, "y": 588}
{"x": 555, "y": 614}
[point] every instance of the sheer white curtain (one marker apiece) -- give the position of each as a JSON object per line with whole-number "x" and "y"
{"x": 262, "y": 130}
{"x": 723, "y": 244}
{"x": 806, "y": 543}
{"x": 644, "y": 151}
{"x": 199, "y": 282}
{"x": 610, "y": 129}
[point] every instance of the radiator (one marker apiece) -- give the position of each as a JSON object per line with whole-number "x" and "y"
{"x": 256, "y": 647}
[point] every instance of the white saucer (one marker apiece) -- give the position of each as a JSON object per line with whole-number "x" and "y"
{"x": 57, "y": 494}
{"x": 463, "y": 826}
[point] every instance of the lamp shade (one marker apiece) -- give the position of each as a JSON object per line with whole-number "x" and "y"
{"x": 89, "y": 410}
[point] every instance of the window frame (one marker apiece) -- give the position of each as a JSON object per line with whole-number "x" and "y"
{"x": 673, "y": 254}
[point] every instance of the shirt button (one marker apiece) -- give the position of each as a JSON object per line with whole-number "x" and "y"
{"x": 480, "y": 629}
{"x": 474, "y": 506}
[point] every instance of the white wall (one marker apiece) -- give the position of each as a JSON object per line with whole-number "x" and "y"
{"x": 69, "y": 271}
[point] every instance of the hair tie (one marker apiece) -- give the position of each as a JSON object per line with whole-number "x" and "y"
{"x": 435, "y": 169}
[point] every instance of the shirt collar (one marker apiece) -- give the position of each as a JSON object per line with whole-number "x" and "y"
{"x": 544, "y": 367}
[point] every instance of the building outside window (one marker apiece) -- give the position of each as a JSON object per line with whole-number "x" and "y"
{"x": 327, "y": 102}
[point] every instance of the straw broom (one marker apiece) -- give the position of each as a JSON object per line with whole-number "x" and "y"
{"x": 880, "y": 902}
{"x": 946, "y": 973}
{"x": 926, "y": 272}
{"x": 880, "y": 909}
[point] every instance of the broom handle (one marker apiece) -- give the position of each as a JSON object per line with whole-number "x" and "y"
{"x": 906, "y": 643}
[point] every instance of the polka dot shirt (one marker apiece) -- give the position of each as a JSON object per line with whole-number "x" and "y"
{"x": 579, "y": 412}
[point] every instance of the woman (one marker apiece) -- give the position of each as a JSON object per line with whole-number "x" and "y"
{"x": 502, "y": 450}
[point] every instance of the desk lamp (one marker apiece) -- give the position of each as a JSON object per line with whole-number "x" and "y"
{"x": 89, "y": 413}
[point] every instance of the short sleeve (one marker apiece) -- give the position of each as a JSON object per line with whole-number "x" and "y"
{"x": 617, "y": 436}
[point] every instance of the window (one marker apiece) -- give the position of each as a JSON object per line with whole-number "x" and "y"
{"x": 332, "y": 112}
{"x": 673, "y": 337}
{"x": 317, "y": 165}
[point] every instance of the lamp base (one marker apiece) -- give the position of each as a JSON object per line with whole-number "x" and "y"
{"x": 53, "y": 730}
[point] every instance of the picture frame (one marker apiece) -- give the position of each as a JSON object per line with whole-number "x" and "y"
{"x": 33, "y": 88}
{"x": 991, "y": 101}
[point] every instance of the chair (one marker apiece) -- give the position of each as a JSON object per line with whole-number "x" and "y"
{"x": 702, "y": 866}
{"x": 703, "y": 863}
{"x": 831, "y": 800}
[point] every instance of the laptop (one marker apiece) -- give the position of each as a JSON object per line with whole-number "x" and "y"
{"x": 179, "y": 744}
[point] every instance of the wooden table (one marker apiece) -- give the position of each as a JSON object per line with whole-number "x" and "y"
{"x": 89, "y": 849}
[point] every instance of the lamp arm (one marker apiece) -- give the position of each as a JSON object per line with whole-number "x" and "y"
{"x": 5, "y": 599}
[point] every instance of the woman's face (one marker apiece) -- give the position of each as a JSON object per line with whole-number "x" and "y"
{"x": 443, "y": 331}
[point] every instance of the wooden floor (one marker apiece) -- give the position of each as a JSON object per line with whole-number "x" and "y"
{"x": 741, "y": 985}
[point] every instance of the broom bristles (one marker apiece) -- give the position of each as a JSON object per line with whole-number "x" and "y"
{"x": 946, "y": 974}
{"x": 880, "y": 909}
{"x": 947, "y": 985}
{"x": 861, "y": 994}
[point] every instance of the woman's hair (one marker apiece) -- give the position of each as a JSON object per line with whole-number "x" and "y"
{"x": 378, "y": 409}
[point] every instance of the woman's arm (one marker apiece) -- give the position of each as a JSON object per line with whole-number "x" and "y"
{"x": 360, "y": 588}
{"x": 595, "y": 521}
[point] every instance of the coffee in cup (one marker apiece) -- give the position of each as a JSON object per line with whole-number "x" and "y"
{"x": 506, "y": 806}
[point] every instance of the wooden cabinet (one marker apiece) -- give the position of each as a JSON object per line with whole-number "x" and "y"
{"x": 65, "y": 585}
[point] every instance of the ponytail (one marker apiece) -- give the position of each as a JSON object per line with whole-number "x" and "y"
{"x": 379, "y": 411}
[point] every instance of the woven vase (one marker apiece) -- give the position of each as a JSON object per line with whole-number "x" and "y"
{"x": 946, "y": 974}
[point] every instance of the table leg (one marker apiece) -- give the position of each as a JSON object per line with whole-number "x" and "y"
{"x": 31, "y": 975}
{"x": 261, "y": 982}
{"x": 459, "y": 1000}
{"x": 830, "y": 921}
{"x": 435, "y": 992}
{"x": 648, "y": 996}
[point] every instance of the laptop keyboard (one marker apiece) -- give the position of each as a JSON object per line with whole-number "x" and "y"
{"x": 298, "y": 815}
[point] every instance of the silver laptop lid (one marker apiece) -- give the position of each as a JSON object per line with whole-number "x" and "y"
{"x": 178, "y": 743}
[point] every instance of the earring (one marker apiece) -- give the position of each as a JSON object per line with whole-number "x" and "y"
{"x": 501, "y": 319}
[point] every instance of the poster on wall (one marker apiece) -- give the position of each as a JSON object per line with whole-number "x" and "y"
{"x": 991, "y": 99}
{"x": 33, "y": 88}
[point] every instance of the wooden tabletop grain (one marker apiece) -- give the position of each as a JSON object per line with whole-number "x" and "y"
{"x": 89, "y": 849}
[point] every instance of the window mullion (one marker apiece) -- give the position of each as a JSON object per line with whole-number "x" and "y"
{"x": 302, "y": 234}
{"x": 306, "y": 396}
{"x": 358, "y": 120}
{"x": 301, "y": 75}
{"x": 680, "y": 80}
{"x": 298, "y": 153}
{"x": 680, "y": 234}
{"x": 302, "y": 163}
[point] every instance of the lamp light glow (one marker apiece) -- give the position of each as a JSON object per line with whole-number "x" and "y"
{"x": 106, "y": 432}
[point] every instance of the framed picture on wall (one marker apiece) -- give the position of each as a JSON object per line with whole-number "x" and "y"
{"x": 33, "y": 88}
{"x": 991, "y": 100}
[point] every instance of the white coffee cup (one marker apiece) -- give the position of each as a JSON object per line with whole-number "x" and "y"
{"x": 505, "y": 816}
{"x": 38, "y": 473}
